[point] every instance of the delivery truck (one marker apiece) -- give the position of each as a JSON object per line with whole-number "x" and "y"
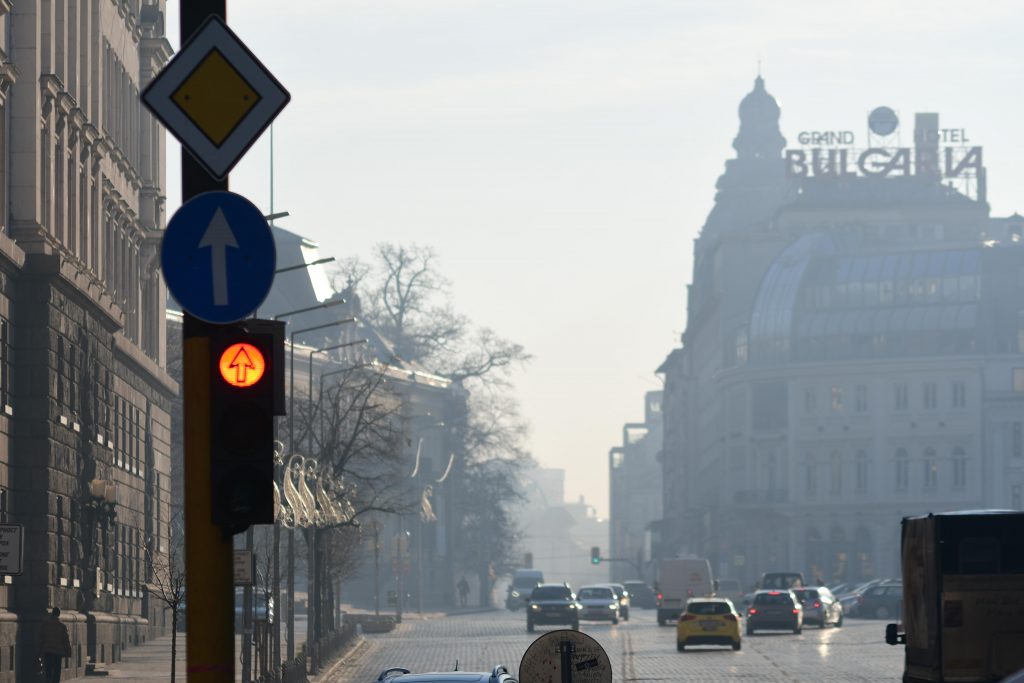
{"x": 679, "y": 580}
{"x": 963, "y": 597}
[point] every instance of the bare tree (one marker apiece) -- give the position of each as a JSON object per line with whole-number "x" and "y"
{"x": 169, "y": 589}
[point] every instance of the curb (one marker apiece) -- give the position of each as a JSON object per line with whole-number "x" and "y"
{"x": 481, "y": 610}
{"x": 340, "y": 660}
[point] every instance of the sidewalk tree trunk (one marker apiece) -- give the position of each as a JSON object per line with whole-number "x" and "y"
{"x": 169, "y": 589}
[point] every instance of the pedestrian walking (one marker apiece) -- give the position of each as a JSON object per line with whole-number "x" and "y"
{"x": 463, "y": 591}
{"x": 54, "y": 644}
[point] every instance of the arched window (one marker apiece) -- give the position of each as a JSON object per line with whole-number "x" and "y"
{"x": 862, "y": 471}
{"x": 902, "y": 470}
{"x": 812, "y": 475}
{"x": 959, "y": 468}
{"x": 931, "y": 469}
{"x": 837, "y": 473}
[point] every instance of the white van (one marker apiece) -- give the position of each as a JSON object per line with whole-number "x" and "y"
{"x": 678, "y": 581}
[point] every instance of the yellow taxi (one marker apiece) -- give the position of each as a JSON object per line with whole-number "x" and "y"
{"x": 708, "y": 621}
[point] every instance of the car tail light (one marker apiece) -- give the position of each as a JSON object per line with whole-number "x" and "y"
{"x": 751, "y": 611}
{"x": 687, "y": 617}
{"x": 729, "y": 617}
{"x": 796, "y": 611}
{"x": 817, "y": 604}
{"x": 659, "y": 596}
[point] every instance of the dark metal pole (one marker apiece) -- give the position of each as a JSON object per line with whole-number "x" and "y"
{"x": 208, "y": 556}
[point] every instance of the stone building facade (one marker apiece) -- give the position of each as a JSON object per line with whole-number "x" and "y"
{"x": 854, "y": 354}
{"x": 84, "y": 396}
{"x": 634, "y": 494}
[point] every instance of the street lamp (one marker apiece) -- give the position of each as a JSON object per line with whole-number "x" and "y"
{"x": 291, "y": 443}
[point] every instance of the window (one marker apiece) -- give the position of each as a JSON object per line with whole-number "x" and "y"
{"x": 1017, "y": 497}
{"x": 1018, "y": 380}
{"x": 902, "y": 394}
{"x": 810, "y": 401}
{"x": 1018, "y": 440}
{"x": 812, "y": 475}
{"x": 902, "y": 470}
{"x": 837, "y": 473}
{"x": 931, "y": 395}
{"x": 959, "y": 468}
{"x": 837, "y": 399}
{"x": 931, "y": 469}
{"x": 861, "y": 398}
{"x": 862, "y": 471}
{"x": 959, "y": 394}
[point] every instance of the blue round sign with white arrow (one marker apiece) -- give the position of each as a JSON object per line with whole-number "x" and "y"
{"x": 218, "y": 257}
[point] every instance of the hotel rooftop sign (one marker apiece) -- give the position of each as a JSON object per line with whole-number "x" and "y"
{"x": 937, "y": 152}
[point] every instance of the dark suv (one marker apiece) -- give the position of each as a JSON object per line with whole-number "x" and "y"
{"x": 553, "y": 603}
{"x": 775, "y": 610}
{"x": 396, "y": 675}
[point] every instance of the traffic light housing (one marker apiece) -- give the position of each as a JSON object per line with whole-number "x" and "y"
{"x": 595, "y": 555}
{"x": 246, "y": 374}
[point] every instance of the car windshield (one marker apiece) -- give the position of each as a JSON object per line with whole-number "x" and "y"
{"x": 552, "y": 593}
{"x": 803, "y": 594}
{"x": 525, "y": 583}
{"x": 595, "y": 594}
{"x": 708, "y": 608}
{"x": 728, "y": 585}
{"x": 773, "y": 599}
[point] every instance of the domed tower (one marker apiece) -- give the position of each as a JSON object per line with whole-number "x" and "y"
{"x": 759, "y": 136}
{"x": 754, "y": 183}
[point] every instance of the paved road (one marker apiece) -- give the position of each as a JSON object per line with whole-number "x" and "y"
{"x": 639, "y": 651}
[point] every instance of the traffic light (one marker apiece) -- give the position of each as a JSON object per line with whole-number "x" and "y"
{"x": 246, "y": 374}
{"x": 595, "y": 555}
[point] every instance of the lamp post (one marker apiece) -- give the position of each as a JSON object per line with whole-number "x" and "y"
{"x": 314, "y": 601}
{"x": 375, "y": 529}
{"x": 102, "y": 497}
{"x": 424, "y": 515}
{"x": 291, "y": 448}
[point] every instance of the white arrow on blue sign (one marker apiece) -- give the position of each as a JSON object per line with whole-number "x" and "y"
{"x": 218, "y": 257}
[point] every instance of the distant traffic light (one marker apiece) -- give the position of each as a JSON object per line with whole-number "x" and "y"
{"x": 595, "y": 555}
{"x": 243, "y": 402}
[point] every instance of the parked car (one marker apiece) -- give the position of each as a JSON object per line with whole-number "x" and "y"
{"x": 500, "y": 674}
{"x": 598, "y": 603}
{"x": 821, "y": 607}
{"x": 622, "y": 595}
{"x": 850, "y": 599}
{"x": 882, "y": 601}
{"x": 731, "y": 589}
{"x": 641, "y": 595}
{"x": 776, "y": 610}
{"x": 553, "y": 603}
{"x": 708, "y": 621}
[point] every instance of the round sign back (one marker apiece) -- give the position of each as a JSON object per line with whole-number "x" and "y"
{"x": 565, "y": 657}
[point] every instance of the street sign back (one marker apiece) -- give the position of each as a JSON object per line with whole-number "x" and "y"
{"x": 218, "y": 257}
{"x": 561, "y": 656}
{"x": 12, "y": 556}
{"x": 215, "y": 97}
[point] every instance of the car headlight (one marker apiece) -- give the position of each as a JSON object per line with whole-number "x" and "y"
{"x": 534, "y": 606}
{"x": 612, "y": 606}
{"x": 515, "y": 594}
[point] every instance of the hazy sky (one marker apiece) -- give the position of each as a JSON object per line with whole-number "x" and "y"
{"x": 561, "y": 155}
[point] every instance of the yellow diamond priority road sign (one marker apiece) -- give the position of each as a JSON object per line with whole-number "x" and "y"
{"x": 215, "y": 97}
